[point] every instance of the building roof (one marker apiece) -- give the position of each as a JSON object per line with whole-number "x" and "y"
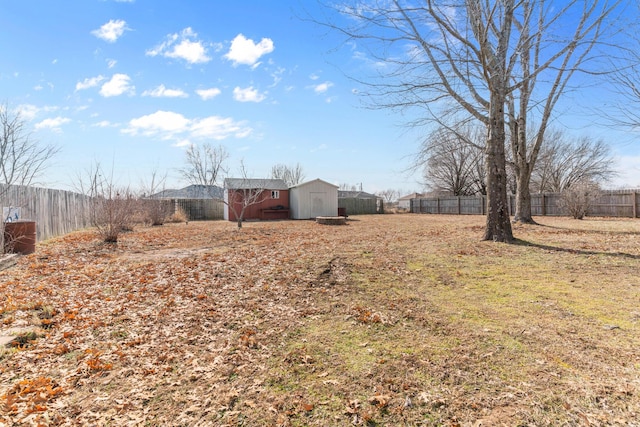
{"x": 411, "y": 196}
{"x": 254, "y": 184}
{"x": 312, "y": 181}
{"x": 195, "y": 191}
{"x": 342, "y": 194}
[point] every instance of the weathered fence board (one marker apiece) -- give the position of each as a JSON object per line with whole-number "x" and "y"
{"x": 616, "y": 203}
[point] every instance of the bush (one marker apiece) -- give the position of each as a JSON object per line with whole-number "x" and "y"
{"x": 155, "y": 211}
{"x": 578, "y": 199}
{"x": 112, "y": 214}
{"x": 179, "y": 216}
{"x": 113, "y": 209}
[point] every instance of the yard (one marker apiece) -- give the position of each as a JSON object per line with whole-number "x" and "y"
{"x": 389, "y": 320}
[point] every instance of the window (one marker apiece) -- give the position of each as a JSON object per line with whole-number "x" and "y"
{"x": 275, "y": 194}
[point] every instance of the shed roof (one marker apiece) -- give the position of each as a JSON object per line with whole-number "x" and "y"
{"x": 254, "y": 184}
{"x": 312, "y": 181}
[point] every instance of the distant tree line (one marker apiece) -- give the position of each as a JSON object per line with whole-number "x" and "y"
{"x": 451, "y": 160}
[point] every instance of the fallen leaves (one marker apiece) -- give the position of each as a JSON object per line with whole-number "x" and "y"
{"x": 30, "y": 395}
{"x": 202, "y": 325}
{"x": 94, "y": 362}
{"x": 365, "y": 315}
{"x": 380, "y": 400}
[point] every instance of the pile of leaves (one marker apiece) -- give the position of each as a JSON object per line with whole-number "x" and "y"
{"x": 389, "y": 320}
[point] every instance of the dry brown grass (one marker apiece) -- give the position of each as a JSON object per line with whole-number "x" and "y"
{"x": 390, "y": 320}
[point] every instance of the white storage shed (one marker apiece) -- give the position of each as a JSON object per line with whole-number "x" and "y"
{"x": 312, "y": 199}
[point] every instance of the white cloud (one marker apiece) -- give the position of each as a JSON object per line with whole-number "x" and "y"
{"x": 184, "y": 46}
{"x": 162, "y": 92}
{"x": 53, "y": 124}
{"x": 162, "y": 123}
{"x": 28, "y": 111}
{"x": 248, "y": 95}
{"x": 111, "y": 31}
{"x": 89, "y": 82}
{"x": 170, "y": 125}
{"x": 206, "y": 94}
{"x": 38, "y": 87}
{"x": 118, "y": 85}
{"x": 322, "y": 87}
{"x": 277, "y": 76}
{"x": 218, "y": 128}
{"x": 314, "y": 76}
{"x": 182, "y": 143}
{"x": 245, "y": 51}
{"x": 320, "y": 147}
{"x": 103, "y": 124}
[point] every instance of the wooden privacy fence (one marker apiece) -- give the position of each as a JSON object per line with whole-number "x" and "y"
{"x": 614, "y": 203}
{"x": 358, "y": 206}
{"x": 56, "y": 212}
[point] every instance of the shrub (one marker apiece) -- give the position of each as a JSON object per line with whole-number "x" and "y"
{"x": 155, "y": 211}
{"x": 179, "y": 215}
{"x": 578, "y": 199}
{"x": 113, "y": 213}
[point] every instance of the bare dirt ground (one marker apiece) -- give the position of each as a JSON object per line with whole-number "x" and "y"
{"x": 389, "y": 320}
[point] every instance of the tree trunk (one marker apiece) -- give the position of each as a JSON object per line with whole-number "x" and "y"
{"x": 523, "y": 168}
{"x": 523, "y": 197}
{"x": 498, "y": 227}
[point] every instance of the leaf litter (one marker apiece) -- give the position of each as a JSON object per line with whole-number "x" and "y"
{"x": 294, "y": 323}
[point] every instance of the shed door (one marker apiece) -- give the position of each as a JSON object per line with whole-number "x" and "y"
{"x": 316, "y": 201}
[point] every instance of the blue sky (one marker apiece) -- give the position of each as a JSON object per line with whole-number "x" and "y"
{"x": 131, "y": 83}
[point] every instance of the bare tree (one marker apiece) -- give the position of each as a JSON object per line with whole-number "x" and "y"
{"x": 389, "y": 195}
{"x": 483, "y": 57}
{"x": 548, "y": 56}
{"x": 345, "y": 186}
{"x": 626, "y": 113}
{"x": 564, "y": 161}
{"x": 622, "y": 108}
{"x": 448, "y": 53}
{"x": 113, "y": 207}
{"x": 291, "y": 175}
{"x": 241, "y": 193}
{"x": 452, "y": 160}
{"x": 205, "y": 165}
{"x": 22, "y": 158}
